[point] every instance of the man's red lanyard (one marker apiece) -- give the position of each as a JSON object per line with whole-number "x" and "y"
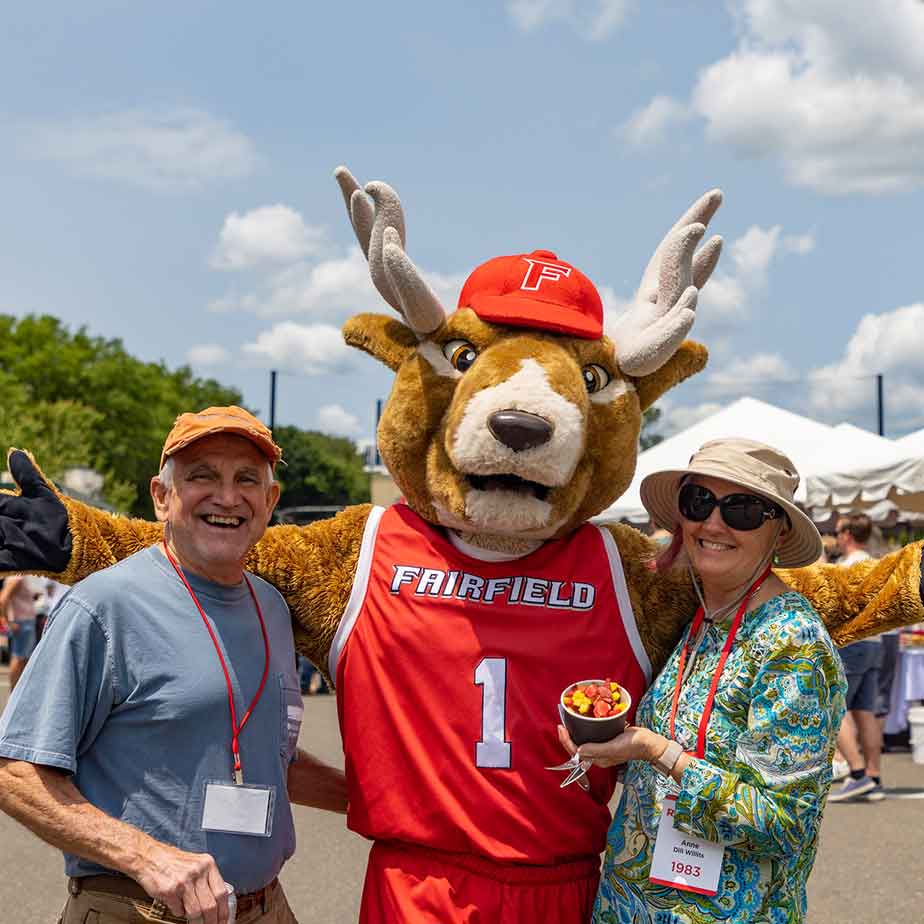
{"x": 235, "y": 728}
{"x": 729, "y": 642}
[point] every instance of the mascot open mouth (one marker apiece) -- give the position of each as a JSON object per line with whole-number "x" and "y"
{"x": 508, "y": 483}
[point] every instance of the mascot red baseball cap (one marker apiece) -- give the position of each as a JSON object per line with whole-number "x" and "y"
{"x": 535, "y": 290}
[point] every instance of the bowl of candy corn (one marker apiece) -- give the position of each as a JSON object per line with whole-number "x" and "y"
{"x": 594, "y": 710}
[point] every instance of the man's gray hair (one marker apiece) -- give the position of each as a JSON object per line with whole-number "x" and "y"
{"x": 165, "y": 476}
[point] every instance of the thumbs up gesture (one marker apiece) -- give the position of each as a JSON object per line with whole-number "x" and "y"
{"x": 34, "y": 531}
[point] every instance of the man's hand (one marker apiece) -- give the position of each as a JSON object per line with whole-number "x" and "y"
{"x": 47, "y": 802}
{"x": 189, "y": 884}
{"x": 34, "y": 531}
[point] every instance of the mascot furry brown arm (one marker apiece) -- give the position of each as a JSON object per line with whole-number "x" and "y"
{"x": 452, "y": 622}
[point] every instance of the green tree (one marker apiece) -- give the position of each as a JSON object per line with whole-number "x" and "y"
{"x": 59, "y": 433}
{"x": 136, "y": 401}
{"x": 319, "y": 469}
{"x": 646, "y": 438}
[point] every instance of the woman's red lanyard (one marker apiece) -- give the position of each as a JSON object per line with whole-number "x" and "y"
{"x": 235, "y": 728}
{"x": 729, "y": 642}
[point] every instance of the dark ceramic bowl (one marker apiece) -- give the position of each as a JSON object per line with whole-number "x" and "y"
{"x": 585, "y": 729}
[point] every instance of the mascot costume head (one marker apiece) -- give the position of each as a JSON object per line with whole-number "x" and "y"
{"x": 514, "y": 419}
{"x": 453, "y": 620}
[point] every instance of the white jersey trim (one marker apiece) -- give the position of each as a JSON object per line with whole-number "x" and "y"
{"x": 358, "y": 593}
{"x": 625, "y": 604}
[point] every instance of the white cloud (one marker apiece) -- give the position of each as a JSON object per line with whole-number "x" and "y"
{"x": 756, "y": 370}
{"x": 722, "y": 300}
{"x": 269, "y": 234}
{"x": 332, "y": 289}
{"x": 799, "y": 244}
{"x": 675, "y": 418}
{"x": 165, "y": 148}
{"x": 310, "y": 349}
{"x": 649, "y": 124}
{"x": 754, "y": 250}
{"x": 447, "y": 287}
{"x": 726, "y": 298}
{"x": 207, "y": 354}
{"x": 613, "y": 306}
{"x": 835, "y": 96}
{"x": 332, "y": 418}
{"x": 727, "y": 295}
{"x": 591, "y": 19}
{"x": 890, "y": 343}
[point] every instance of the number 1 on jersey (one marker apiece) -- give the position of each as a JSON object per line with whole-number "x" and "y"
{"x": 493, "y": 750}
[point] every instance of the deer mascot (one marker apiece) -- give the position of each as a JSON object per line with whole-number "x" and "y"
{"x": 452, "y": 621}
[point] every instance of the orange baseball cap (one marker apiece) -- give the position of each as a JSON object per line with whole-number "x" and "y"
{"x": 535, "y": 290}
{"x": 188, "y": 428}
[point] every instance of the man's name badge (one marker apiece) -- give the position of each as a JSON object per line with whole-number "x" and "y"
{"x": 233, "y": 809}
{"x": 682, "y": 861}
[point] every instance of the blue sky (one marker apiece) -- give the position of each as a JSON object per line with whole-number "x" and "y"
{"x": 166, "y": 178}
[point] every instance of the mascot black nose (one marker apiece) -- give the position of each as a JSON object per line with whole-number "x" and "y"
{"x": 520, "y": 430}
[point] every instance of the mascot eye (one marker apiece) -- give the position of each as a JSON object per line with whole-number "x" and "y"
{"x": 595, "y": 377}
{"x": 460, "y": 353}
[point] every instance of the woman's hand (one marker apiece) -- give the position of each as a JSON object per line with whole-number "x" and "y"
{"x": 635, "y": 743}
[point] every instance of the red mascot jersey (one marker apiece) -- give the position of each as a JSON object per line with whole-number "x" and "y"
{"x": 449, "y": 670}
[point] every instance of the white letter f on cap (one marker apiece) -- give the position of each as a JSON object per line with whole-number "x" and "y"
{"x": 541, "y": 270}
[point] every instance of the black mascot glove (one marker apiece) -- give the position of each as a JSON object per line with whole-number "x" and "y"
{"x": 34, "y": 532}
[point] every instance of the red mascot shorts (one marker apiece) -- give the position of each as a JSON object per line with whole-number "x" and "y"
{"x": 416, "y": 885}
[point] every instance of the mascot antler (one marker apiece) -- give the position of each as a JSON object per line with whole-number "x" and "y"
{"x": 380, "y": 230}
{"x": 651, "y": 330}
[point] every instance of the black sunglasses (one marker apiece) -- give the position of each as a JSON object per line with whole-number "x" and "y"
{"x": 739, "y": 511}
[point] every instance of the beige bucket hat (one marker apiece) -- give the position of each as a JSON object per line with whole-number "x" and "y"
{"x": 751, "y": 465}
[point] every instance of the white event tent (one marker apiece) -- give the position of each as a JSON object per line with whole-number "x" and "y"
{"x": 837, "y": 465}
{"x": 912, "y": 443}
{"x": 895, "y": 482}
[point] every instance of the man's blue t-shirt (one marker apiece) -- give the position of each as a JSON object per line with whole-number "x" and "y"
{"x": 126, "y": 692}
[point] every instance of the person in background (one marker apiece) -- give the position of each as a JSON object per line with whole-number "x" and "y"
{"x": 888, "y": 668}
{"x": 311, "y": 679}
{"x": 153, "y": 737}
{"x": 52, "y": 592}
{"x": 832, "y": 551}
{"x": 840, "y": 769}
{"x": 859, "y": 739}
{"x": 889, "y": 660}
{"x": 19, "y": 603}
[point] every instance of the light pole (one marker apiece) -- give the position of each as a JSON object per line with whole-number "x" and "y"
{"x": 272, "y": 414}
{"x": 880, "y": 410}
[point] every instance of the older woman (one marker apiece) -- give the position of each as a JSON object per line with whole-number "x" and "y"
{"x": 729, "y": 763}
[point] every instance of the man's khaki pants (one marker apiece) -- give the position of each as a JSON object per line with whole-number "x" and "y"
{"x": 90, "y": 907}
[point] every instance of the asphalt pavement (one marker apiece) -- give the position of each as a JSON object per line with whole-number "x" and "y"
{"x": 870, "y": 865}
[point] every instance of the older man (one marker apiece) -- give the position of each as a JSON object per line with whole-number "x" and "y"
{"x": 153, "y": 739}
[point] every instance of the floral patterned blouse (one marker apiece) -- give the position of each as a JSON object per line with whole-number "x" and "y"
{"x": 762, "y": 786}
